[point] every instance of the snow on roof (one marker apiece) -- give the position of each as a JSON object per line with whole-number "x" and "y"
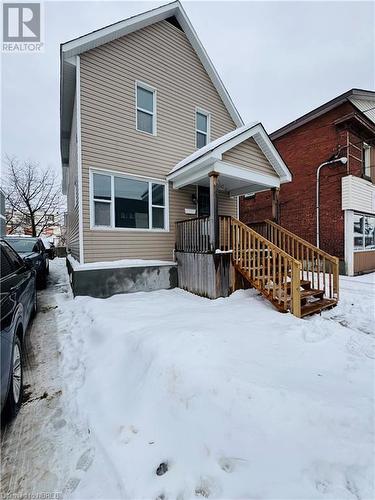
{"x": 213, "y": 145}
{"x": 365, "y": 105}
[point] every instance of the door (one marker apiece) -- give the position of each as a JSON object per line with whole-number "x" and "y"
{"x": 203, "y": 201}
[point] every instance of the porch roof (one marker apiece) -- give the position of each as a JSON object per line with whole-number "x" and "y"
{"x": 234, "y": 178}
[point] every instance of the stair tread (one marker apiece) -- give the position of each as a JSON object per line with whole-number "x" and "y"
{"x": 317, "y": 306}
{"x": 310, "y": 293}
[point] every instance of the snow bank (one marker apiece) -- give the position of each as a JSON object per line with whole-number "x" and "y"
{"x": 238, "y": 400}
{"x": 114, "y": 264}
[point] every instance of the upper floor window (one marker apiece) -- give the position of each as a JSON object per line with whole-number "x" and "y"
{"x": 202, "y": 128}
{"x": 366, "y": 154}
{"x": 146, "y": 108}
{"x": 119, "y": 201}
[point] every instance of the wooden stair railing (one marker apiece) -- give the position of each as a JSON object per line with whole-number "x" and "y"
{"x": 317, "y": 266}
{"x": 271, "y": 270}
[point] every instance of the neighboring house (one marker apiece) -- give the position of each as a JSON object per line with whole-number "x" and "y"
{"x": 2, "y": 213}
{"x": 343, "y": 127}
{"x": 150, "y": 138}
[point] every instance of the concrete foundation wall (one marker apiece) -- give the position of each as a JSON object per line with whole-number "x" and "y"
{"x": 103, "y": 283}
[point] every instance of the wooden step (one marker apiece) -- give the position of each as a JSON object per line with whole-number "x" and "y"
{"x": 306, "y": 285}
{"x": 311, "y": 294}
{"x": 317, "y": 307}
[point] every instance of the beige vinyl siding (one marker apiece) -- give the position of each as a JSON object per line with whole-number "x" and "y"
{"x": 73, "y": 211}
{"x": 227, "y": 205}
{"x": 249, "y": 155}
{"x": 161, "y": 57}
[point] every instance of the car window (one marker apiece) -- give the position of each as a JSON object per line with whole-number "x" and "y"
{"x": 23, "y": 245}
{"x": 14, "y": 260}
{"x": 6, "y": 267}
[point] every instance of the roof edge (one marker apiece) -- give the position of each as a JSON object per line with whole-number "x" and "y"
{"x": 320, "y": 110}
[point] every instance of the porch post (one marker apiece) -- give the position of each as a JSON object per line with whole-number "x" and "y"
{"x": 275, "y": 205}
{"x": 214, "y": 214}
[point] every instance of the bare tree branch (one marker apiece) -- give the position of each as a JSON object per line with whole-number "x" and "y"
{"x": 32, "y": 195}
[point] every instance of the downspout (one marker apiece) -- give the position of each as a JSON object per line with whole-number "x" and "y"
{"x": 343, "y": 160}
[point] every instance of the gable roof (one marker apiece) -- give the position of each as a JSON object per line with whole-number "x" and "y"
{"x": 214, "y": 150}
{"x": 73, "y": 48}
{"x": 363, "y": 100}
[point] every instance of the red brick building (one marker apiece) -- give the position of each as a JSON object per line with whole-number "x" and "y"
{"x": 343, "y": 127}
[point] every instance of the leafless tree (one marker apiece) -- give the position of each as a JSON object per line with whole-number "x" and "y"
{"x": 32, "y": 195}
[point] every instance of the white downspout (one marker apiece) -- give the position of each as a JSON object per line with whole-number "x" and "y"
{"x": 343, "y": 160}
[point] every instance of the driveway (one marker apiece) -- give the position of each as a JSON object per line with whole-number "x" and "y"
{"x": 40, "y": 446}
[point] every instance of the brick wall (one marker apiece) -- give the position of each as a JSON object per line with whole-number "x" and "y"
{"x": 303, "y": 150}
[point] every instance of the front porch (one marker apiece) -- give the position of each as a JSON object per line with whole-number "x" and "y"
{"x": 218, "y": 254}
{"x": 215, "y": 258}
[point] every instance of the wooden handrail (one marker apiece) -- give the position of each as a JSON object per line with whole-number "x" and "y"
{"x": 271, "y": 270}
{"x": 301, "y": 240}
{"x": 318, "y": 266}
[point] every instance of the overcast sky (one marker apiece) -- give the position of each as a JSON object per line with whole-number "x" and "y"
{"x": 278, "y": 60}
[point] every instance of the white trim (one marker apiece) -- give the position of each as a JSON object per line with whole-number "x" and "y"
{"x": 366, "y": 160}
{"x": 249, "y": 177}
{"x": 349, "y": 242}
{"x": 214, "y": 151}
{"x": 147, "y": 87}
{"x": 207, "y": 114}
{"x": 150, "y": 181}
{"x": 110, "y": 171}
{"x": 363, "y": 249}
{"x": 79, "y": 159}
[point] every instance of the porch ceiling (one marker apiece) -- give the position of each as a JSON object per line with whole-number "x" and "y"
{"x": 232, "y": 179}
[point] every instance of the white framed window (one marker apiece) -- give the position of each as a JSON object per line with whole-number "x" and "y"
{"x": 366, "y": 152}
{"x": 145, "y": 98}
{"x": 121, "y": 201}
{"x": 202, "y": 128}
{"x": 364, "y": 232}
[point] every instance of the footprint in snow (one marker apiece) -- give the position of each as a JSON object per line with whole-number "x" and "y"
{"x": 70, "y": 486}
{"x": 85, "y": 460}
{"x": 226, "y": 464}
{"x": 207, "y": 487}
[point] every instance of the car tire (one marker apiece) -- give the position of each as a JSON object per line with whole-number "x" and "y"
{"x": 42, "y": 281}
{"x": 15, "y": 393}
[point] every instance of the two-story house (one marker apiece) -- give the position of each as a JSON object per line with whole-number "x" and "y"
{"x": 334, "y": 206}
{"x": 154, "y": 158}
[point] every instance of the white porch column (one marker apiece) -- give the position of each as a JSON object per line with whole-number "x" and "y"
{"x": 349, "y": 242}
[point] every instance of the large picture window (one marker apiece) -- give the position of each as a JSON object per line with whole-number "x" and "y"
{"x": 364, "y": 232}
{"x": 124, "y": 202}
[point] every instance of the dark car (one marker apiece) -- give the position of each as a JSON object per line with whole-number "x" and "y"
{"x": 18, "y": 303}
{"x": 34, "y": 251}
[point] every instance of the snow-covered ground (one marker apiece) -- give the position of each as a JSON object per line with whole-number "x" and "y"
{"x": 237, "y": 399}
{"x": 168, "y": 395}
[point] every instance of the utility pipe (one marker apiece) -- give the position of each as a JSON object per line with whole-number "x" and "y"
{"x": 343, "y": 160}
